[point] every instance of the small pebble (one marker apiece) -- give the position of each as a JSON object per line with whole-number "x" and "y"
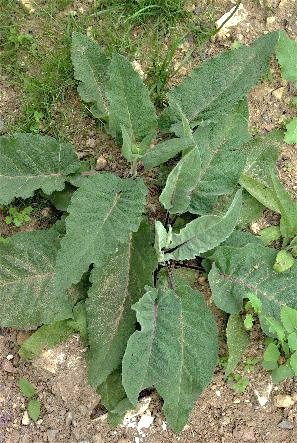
{"x": 101, "y": 163}
{"x": 25, "y": 419}
{"x": 9, "y": 357}
{"x": 7, "y": 366}
{"x": 69, "y": 419}
{"x": 283, "y": 401}
{"x": 286, "y": 424}
{"x": 51, "y": 435}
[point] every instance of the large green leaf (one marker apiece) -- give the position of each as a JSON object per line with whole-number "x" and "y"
{"x": 175, "y": 351}
{"x": 256, "y": 179}
{"x": 129, "y": 103}
{"x": 237, "y": 341}
{"x": 181, "y": 182}
{"x": 286, "y": 53}
{"x": 117, "y": 284}
{"x": 203, "y": 233}
{"x": 29, "y": 162}
{"x": 166, "y": 150}
{"x": 222, "y": 158}
{"x": 28, "y": 297}
{"x": 221, "y": 82}
{"x": 238, "y": 272}
{"x": 91, "y": 69}
{"x": 102, "y": 213}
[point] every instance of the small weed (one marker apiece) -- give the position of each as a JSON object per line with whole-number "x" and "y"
{"x": 18, "y": 217}
{"x": 34, "y": 404}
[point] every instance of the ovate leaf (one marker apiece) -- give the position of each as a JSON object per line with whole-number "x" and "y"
{"x": 175, "y": 351}
{"x": 29, "y": 162}
{"x": 180, "y": 183}
{"x": 204, "y": 233}
{"x": 129, "y": 103}
{"x": 28, "y": 296}
{"x": 91, "y": 69}
{"x": 116, "y": 285}
{"x": 34, "y": 407}
{"x": 286, "y": 53}
{"x": 221, "y": 82}
{"x": 102, "y": 213}
{"x": 26, "y": 388}
{"x": 166, "y": 150}
{"x": 237, "y": 341}
{"x": 239, "y": 271}
{"x": 256, "y": 178}
{"x": 289, "y": 319}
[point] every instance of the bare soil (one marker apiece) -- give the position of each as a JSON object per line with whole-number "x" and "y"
{"x": 70, "y": 411}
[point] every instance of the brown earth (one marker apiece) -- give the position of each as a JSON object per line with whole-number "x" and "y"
{"x": 69, "y": 412}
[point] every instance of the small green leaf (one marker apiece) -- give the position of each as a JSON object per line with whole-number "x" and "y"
{"x": 275, "y": 328}
{"x": 291, "y": 134}
{"x": 237, "y": 341}
{"x": 181, "y": 182}
{"x": 283, "y": 372}
{"x": 289, "y": 318}
{"x": 248, "y": 322}
{"x": 271, "y": 353}
{"x": 34, "y": 407}
{"x": 283, "y": 262}
{"x": 46, "y": 337}
{"x": 293, "y": 362}
{"x": 255, "y": 302}
{"x": 286, "y": 53}
{"x": 270, "y": 234}
{"x": 292, "y": 341}
{"x": 128, "y": 147}
{"x": 26, "y": 388}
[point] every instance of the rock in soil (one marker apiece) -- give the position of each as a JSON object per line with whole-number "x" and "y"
{"x": 286, "y": 424}
{"x": 283, "y": 401}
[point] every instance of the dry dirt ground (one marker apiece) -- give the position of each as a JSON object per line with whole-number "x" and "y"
{"x": 70, "y": 411}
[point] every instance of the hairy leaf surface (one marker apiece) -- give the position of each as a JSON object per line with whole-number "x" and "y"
{"x": 102, "y": 213}
{"x": 180, "y": 183}
{"x": 175, "y": 351}
{"x": 204, "y": 233}
{"x": 166, "y": 150}
{"x": 262, "y": 156}
{"x": 91, "y": 69}
{"x": 222, "y": 82}
{"x": 117, "y": 284}
{"x": 237, "y": 341}
{"x": 222, "y": 160}
{"x": 28, "y": 297}
{"x": 286, "y": 53}
{"x": 237, "y": 272}
{"x": 129, "y": 102}
{"x": 29, "y": 162}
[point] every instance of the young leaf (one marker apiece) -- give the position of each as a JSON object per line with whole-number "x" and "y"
{"x": 283, "y": 372}
{"x": 176, "y": 350}
{"x": 46, "y": 337}
{"x": 204, "y": 233}
{"x": 222, "y": 160}
{"x": 117, "y": 284}
{"x": 166, "y": 150}
{"x": 270, "y": 234}
{"x": 129, "y": 102}
{"x": 289, "y": 318}
{"x": 238, "y": 271}
{"x": 292, "y": 341}
{"x": 256, "y": 179}
{"x": 287, "y": 207}
{"x": 274, "y": 328}
{"x": 26, "y": 388}
{"x": 91, "y": 69}
{"x": 286, "y": 53}
{"x": 28, "y": 297}
{"x": 29, "y": 162}
{"x": 33, "y": 408}
{"x": 102, "y": 213}
{"x": 283, "y": 261}
{"x": 180, "y": 183}
{"x": 114, "y": 398}
{"x": 222, "y": 82}
{"x": 293, "y": 362}
{"x": 291, "y": 133}
{"x": 271, "y": 353}
{"x": 237, "y": 341}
